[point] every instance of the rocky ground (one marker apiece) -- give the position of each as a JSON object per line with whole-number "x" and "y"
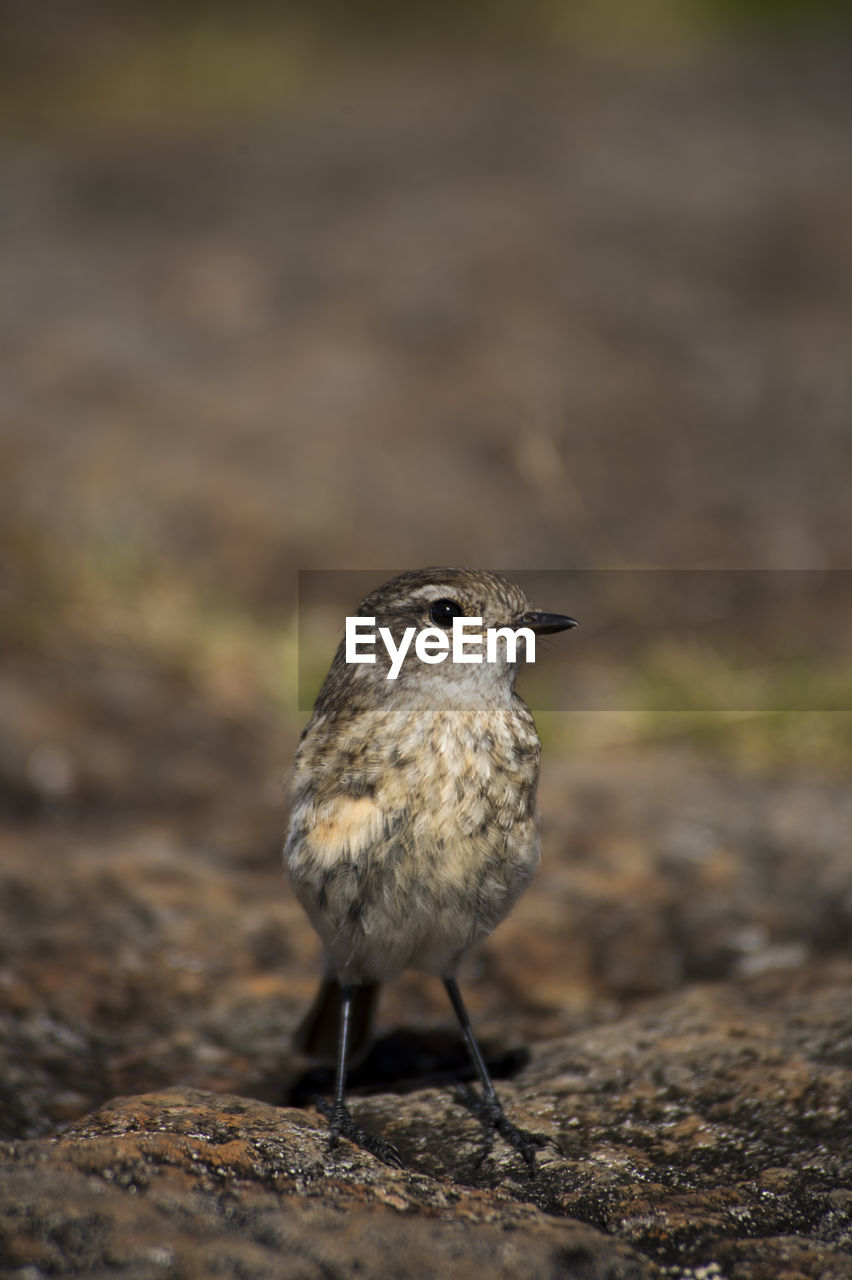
{"x": 669, "y": 1004}
{"x": 612, "y": 313}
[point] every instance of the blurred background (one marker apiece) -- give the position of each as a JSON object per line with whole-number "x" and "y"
{"x": 283, "y": 287}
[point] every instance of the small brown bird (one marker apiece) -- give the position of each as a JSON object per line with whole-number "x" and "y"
{"x": 413, "y": 820}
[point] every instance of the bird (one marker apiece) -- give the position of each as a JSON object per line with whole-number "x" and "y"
{"x": 413, "y": 824}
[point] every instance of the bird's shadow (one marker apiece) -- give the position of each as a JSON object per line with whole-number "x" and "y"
{"x": 404, "y": 1061}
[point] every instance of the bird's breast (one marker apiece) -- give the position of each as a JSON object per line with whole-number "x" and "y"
{"x": 427, "y": 837}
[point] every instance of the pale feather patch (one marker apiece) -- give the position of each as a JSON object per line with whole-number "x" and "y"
{"x": 347, "y": 826}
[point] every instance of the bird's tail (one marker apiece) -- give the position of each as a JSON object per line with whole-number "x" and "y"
{"x": 317, "y": 1033}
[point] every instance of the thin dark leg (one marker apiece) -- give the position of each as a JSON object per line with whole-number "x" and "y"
{"x": 488, "y": 1109}
{"x": 342, "y": 1124}
{"x": 347, "y": 994}
{"x": 469, "y": 1038}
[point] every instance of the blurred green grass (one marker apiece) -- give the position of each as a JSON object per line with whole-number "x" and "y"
{"x": 197, "y": 63}
{"x": 248, "y": 665}
{"x": 713, "y": 700}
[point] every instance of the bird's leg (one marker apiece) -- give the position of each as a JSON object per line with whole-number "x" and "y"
{"x": 488, "y": 1109}
{"x": 342, "y": 1124}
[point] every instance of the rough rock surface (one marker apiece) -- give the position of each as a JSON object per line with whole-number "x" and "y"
{"x": 709, "y": 1129}
{"x": 195, "y": 1184}
{"x": 678, "y": 971}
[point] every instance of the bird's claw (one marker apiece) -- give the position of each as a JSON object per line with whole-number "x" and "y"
{"x": 343, "y": 1126}
{"x": 490, "y": 1114}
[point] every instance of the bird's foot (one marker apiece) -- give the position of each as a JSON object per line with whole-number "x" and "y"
{"x": 490, "y": 1114}
{"x": 343, "y": 1126}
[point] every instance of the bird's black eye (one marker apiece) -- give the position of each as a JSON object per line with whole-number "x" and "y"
{"x": 442, "y": 612}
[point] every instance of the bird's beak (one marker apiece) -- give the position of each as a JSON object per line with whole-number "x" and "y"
{"x": 544, "y": 624}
